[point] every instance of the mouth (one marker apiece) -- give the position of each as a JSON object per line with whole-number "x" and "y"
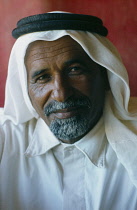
{"x": 68, "y": 112}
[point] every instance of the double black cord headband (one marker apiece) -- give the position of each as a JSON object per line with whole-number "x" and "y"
{"x": 59, "y": 21}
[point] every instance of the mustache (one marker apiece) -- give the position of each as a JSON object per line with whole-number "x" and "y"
{"x": 54, "y": 106}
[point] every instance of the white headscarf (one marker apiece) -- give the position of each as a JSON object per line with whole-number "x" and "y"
{"x": 120, "y": 125}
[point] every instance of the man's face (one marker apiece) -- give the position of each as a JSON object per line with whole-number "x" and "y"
{"x": 65, "y": 86}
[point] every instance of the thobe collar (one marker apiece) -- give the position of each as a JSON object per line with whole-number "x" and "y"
{"x": 92, "y": 145}
{"x": 42, "y": 140}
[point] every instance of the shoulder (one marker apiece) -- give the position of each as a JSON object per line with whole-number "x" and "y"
{"x": 14, "y": 137}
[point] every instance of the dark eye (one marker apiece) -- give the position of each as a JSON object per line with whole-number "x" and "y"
{"x": 76, "y": 70}
{"x": 43, "y": 78}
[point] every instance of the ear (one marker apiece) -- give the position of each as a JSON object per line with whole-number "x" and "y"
{"x": 105, "y": 78}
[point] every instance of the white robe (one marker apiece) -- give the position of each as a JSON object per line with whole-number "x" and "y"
{"x": 39, "y": 172}
{"x": 120, "y": 128}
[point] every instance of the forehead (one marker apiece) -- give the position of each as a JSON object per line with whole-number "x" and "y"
{"x": 53, "y": 48}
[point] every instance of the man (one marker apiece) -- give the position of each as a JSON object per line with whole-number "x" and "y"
{"x": 67, "y": 138}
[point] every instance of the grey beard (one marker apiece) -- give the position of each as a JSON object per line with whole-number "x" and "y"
{"x": 71, "y": 128}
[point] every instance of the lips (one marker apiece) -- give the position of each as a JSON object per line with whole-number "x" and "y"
{"x": 67, "y": 113}
{"x": 71, "y": 107}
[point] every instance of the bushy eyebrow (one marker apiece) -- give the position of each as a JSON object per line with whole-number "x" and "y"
{"x": 37, "y": 73}
{"x": 66, "y": 63}
{"x": 72, "y": 61}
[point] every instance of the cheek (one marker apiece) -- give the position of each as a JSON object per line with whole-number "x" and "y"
{"x": 91, "y": 86}
{"x": 84, "y": 84}
{"x": 38, "y": 94}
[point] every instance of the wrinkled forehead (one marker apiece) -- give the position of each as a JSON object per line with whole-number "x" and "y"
{"x": 62, "y": 44}
{"x": 58, "y": 49}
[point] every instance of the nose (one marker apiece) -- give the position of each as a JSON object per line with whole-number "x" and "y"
{"x": 62, "y": 89}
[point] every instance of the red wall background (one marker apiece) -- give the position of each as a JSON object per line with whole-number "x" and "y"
{"x": 119, "y": 16}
